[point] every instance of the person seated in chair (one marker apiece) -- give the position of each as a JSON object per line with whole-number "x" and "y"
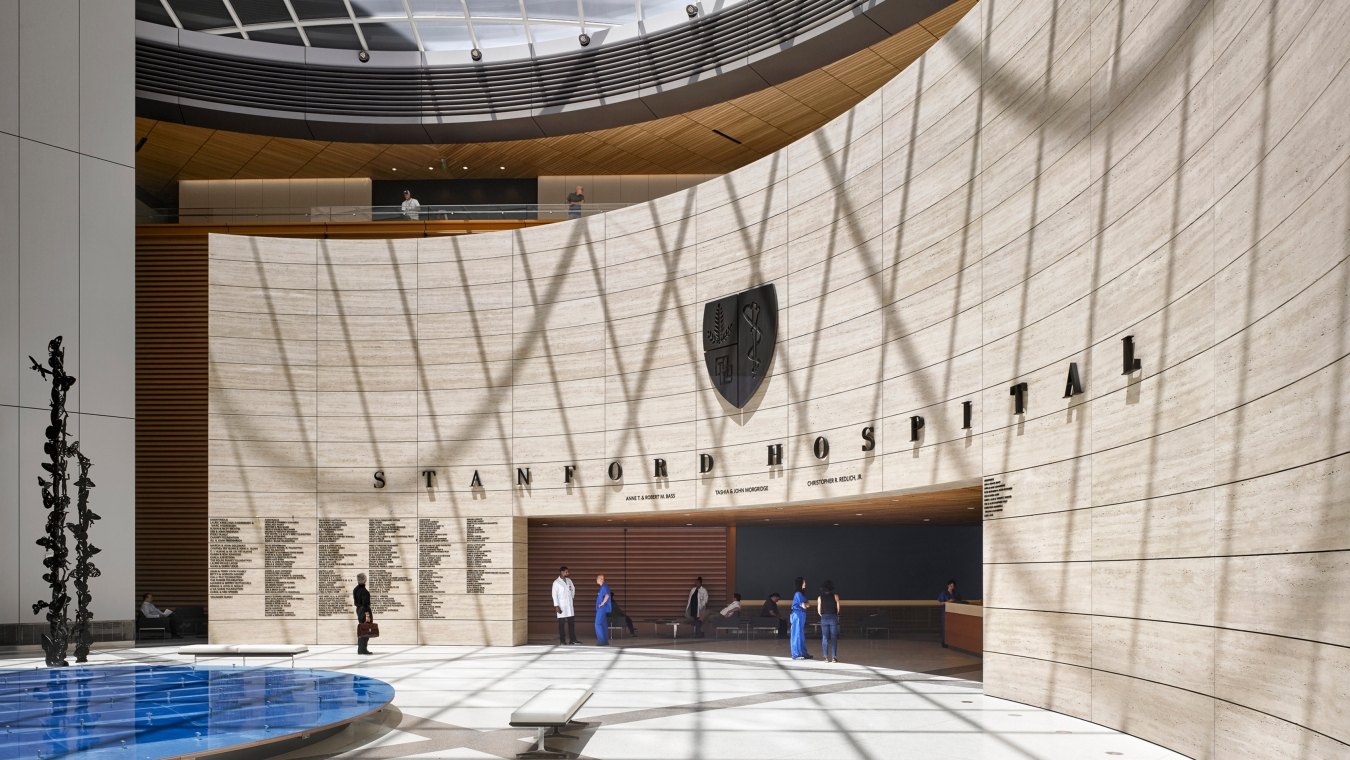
{"x": 733, "y": 609}
{"x": 770, "y": 610}
{"x": 150, "y": 612}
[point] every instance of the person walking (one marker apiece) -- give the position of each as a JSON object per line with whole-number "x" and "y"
{"x": 564, "y": 595}
{"x": 828, "y": 605}
{"x": 604, "y": 604}
{"x": 364, "y": 614}
{"x": 797, "y": 620}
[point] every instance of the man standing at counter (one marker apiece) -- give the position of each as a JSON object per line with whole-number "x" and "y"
{"x": 949, "y": 594}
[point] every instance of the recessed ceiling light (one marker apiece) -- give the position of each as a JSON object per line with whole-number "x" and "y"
{"x": 689, "y": 525}
{"x": 857, "y": 514}
{"x": 393, "y": 168}
{"x": 925, "y": 519}
{"x": 430, "y": 169}
{"x": 465, "y": 168}
{"x": 503, "y": 168}
{"x": 969, "y": 507}
{"x": 836, "y": 524}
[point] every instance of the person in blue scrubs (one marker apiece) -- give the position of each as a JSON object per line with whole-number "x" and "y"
{"x": 797, "y": 620}
{"x": 604, "y": 604}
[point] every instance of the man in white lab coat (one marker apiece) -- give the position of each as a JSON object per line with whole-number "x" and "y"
{"x": 564, "y": 593}
{"x": 694, "y": 605}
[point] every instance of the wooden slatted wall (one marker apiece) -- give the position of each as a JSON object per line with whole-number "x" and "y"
{"x": 650, "y": 569}
{"x": 171, "y": 435}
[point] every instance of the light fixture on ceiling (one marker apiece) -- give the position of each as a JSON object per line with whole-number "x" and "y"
{"x": 476, "y": 54}
{"x": 857, "y": 514}
{"x": 393, "y": 168}
{"x": 465, "y": 168}
{"x": 926, "y": 519}
{"x": 691, "y": 9}
{"x": 503, "y": 168}
{"x": 689, "y": 525}
{"x": 430, "y": 169}
{"x": 836, "y": 525}
{"x": 363, "y": 56}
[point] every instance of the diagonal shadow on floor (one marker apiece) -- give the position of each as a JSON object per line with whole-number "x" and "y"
{"x": 506, "y": 743}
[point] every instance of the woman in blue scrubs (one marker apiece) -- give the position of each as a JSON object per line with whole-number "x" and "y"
{"x": 797, "y": 620}
{"x": 604, "y": 603}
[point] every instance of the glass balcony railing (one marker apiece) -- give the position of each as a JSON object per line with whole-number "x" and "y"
{"x": 541, "y": 212}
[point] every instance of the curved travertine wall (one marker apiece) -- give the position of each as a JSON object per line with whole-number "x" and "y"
{"x": 1173, "y": 555}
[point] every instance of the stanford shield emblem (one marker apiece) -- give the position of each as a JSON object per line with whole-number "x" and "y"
{"x": 738, "y": 336}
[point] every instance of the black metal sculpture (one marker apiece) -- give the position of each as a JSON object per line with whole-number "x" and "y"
{"x": 56, "y": 499}
{"x": 84, "y": 568}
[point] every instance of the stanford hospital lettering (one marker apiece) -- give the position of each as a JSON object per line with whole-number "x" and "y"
{"x": 402, "y": 432}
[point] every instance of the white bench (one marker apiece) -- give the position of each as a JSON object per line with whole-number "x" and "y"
{"x": 244, "y": 651}
{"x": 551, "y": 709}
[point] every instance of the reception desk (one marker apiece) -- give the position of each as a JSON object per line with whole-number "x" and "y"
{"x": 964, "y": 627}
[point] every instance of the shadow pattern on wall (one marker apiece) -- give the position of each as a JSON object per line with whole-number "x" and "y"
{"x": 1171, "y": 552}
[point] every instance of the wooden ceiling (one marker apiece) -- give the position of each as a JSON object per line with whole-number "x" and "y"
{"x": 762, "y": 122}
{"x": 955, "y": 506}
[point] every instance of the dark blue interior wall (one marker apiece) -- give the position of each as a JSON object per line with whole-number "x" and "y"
{"x": 865, "y": 562}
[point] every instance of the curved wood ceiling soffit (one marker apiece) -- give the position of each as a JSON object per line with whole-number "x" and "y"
{"x": 710, "y": 140}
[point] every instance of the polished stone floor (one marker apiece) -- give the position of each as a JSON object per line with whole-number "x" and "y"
{"x": 697, "y": 699}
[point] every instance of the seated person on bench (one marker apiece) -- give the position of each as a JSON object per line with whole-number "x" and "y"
{"x": 770, "y": 610}
{"x": 151, "y": 612}
{"x": 733, "y": 609}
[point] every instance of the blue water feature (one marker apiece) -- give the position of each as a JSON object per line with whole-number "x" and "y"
{"x": 155, "y": 711}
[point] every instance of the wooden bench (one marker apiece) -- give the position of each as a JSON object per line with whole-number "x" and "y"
{"x": 550, "y": 711}
{"x": 244, "y": 651}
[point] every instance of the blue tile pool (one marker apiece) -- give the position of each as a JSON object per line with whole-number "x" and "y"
{"x": 155, "y": 711}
